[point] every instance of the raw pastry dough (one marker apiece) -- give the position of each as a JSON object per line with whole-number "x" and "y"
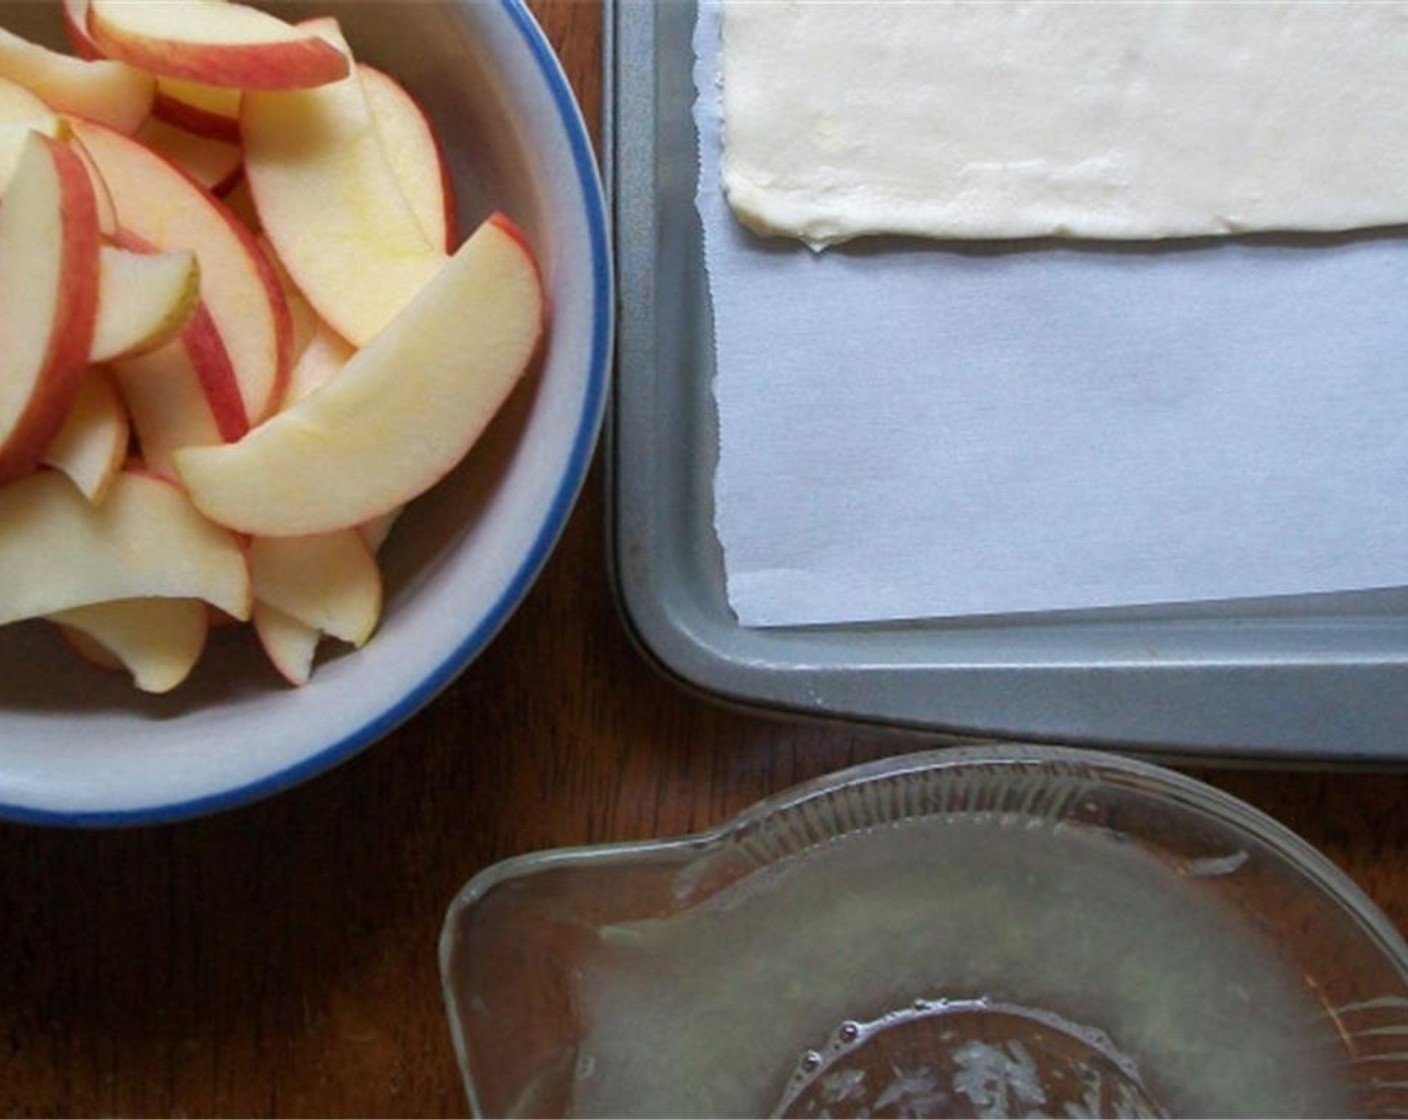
{"x": 997, "y": 118}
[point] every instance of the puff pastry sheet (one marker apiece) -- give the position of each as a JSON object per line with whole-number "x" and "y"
{"x": 998, "y": 119}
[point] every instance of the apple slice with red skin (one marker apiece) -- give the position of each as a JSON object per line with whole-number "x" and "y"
{"x": 330, "y": 203}
{"x": 92, "y": 444}
{"x": 206, "y": 110}
{"x": 304, "y": 321}
{"x": 49, "y": 244}
{"x": 104, "y": 90}
{"x": 214, "y": 42}
{"x": 241, "y": 204}
{"x": 158, "y": 641}
{"x": 144, "y": 539}
{"x": 168, "y": 405}
{"x": 161, "y": 205}
{"x": 75, "y": 16}
{"x": 182, "y": 394}
{"x": 415, "y": 155}
{"x": 399, "y": 415}
{"x": 107, "y": 213}
{"x": 211, "y": 111}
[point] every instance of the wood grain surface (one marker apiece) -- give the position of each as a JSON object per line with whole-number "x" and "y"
{"x": 280, "y": 959}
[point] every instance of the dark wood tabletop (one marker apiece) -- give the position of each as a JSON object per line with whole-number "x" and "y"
{"x": 280, "y": 959}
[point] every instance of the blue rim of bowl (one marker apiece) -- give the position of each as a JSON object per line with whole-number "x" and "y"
{"x": 564, "y": 500}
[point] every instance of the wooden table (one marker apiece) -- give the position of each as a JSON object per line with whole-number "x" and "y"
{"x": 280, "y": 959}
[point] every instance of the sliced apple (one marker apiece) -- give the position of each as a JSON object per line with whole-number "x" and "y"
{"x": 20, "y": 109}
{"x": 20, "y": 113}
{"x": 158, "y": 641}
{"x": 162, "y": 205}
{"x": 182, "y": 394}
{"x": 289, "y": 644}
{"x": 304, "y": 321}
{"x": 330, "y": 204}
{"x": 212, "y": 111}
{"x": 104, "y": 90}
{"x": 375, "y": 531}
{"x": 398, "y": 416}
{"x": 196, "y": 358}
{"x": 220, "y": 620}
{"x": 90, "y": 649}
{"x": 237, "y": 199}
{"x": 75, "y": 16}
{"x": 144, "y": 300}
{"x": 12, "y": 141}
{"x": 414, "y": 153}
{"x": 107, "y": 214}
{"x": 93, "y": 442}
{"x": 329, "y": 581}
{"x": 145, "y": 539}
{"x": 19, "y": 104}
{"x": 214, "y": 164}
{"x": 214, "y": 42}
{"x": 167, "y": 403}
{"x": 324, "y": 356}
{"x": 49, "y": 244}
{"x": 206, "y": 110}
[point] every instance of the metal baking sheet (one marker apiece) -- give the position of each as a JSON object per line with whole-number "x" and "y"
{"x": 1313, "y": 679}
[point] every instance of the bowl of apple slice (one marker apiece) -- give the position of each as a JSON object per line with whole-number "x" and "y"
{"x": 308, "y": 314}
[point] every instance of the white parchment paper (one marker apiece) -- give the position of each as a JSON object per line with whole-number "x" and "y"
{"x": 918, "y": 430}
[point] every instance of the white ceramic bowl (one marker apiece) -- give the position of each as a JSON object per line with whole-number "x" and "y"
{"x": 82, "y": 747}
